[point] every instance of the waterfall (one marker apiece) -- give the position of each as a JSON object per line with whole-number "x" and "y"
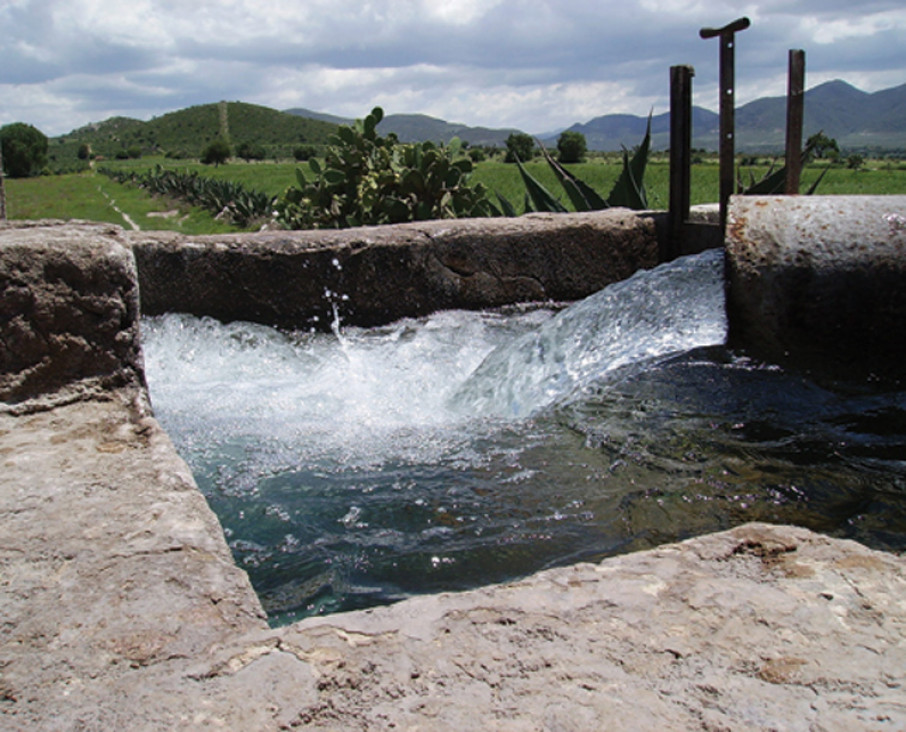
{"x": 670, "y": 309}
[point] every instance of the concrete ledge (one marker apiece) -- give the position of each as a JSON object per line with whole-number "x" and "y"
{"x": 379, "y": 274}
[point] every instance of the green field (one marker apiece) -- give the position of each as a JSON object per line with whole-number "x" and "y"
{"x": 92, "y": 196}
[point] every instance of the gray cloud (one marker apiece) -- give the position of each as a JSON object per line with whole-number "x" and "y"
{"x": 534, "y": 64}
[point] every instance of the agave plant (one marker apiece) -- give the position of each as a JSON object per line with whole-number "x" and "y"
{"x": 774, "y": 181}
{"x": 628, "y": 190}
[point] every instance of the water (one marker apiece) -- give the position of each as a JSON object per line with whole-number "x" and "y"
{"x": 360, "y": 467}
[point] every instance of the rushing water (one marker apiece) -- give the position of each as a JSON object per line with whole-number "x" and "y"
{"x": 464, "y": 448}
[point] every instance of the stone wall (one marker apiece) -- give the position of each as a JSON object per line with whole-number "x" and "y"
{"x": 379, "y": 274}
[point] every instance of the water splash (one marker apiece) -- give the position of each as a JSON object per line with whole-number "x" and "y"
{"x": 674, "y": 308}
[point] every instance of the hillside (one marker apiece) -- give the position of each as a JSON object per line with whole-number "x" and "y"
{"x": 187, "y": 131}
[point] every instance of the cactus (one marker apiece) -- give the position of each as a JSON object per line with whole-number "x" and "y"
{"x": 369, "y": 179}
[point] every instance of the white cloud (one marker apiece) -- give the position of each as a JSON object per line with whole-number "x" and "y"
{"x": 861, "y": 26}
{"x": 532, "y": 64}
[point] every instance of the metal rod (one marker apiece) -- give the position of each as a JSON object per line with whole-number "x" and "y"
{"x": 727, "y": 108}
{"x": 795, "y": 105}
{"x": 680, "y": 159}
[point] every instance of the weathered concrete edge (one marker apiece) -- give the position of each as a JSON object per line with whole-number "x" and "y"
{"x": 375, "y": 275}
{"x": 819, "y": 281}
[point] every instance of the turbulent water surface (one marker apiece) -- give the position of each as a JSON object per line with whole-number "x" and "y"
{"x": 356, "y": 468}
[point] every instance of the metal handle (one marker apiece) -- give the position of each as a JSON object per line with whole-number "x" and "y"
{"x": 736, "y": 25}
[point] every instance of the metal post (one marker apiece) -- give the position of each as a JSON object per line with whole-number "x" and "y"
{"x": 680, "y": 159}
{"x": 795, "y": 102}
{"x": 727, "y": 108}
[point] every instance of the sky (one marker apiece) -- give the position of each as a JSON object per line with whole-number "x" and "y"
{"x": 536, "y": 65}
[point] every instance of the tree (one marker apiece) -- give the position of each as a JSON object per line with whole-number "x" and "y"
{"x": 519, "y": 146}
{"x": 822, "y": 146}
{"x": 304, "y": 152}
{"x": 572, "y": 147}
{"x": 24, "y": 150}
{"x": 216, "y": 153}
{"x": 855, "y": 161}
{"x": 249, "y": 151}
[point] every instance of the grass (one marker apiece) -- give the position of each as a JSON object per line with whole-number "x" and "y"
{"x": 82, "y": 196}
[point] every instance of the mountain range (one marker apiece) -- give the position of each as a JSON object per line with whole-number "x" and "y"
{"x": 856, "y": 119}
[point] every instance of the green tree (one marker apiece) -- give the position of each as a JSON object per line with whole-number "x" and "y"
{"x": 822, "y": 146}
{"x": 519, "y": 146}
{"x": 250, "y": 151}
{"x": 855, "y": 161}
{"x": 24, "y": 150}
{"x": 84, "y": 151}
{"x": 572, "y": 147}
{"x": 216, "y": 153}
{"x": 304, "y": 152}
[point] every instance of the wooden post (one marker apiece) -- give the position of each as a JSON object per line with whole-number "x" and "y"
{"x": 795, "y": 103}
{"x": 680, "y": 159}
{"x": 727, "y": 109}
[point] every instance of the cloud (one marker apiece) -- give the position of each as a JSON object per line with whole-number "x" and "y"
{"x": 532, "y": 64}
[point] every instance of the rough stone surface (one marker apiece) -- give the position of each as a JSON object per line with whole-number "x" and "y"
{"x": 379, "y": 274}
{"x": 68, "y": 312}
{"x": 121, "y": 609}
{"x": 819, "y": 280}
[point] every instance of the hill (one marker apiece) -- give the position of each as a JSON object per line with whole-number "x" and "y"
{"x": 187, "y": 131}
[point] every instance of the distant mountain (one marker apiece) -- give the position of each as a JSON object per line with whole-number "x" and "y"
{"x": 421, "y": 127}
{"x": 320, "y": 116}
{"x": 856, "y": 119}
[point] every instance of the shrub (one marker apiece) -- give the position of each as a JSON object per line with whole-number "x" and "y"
{"x": 571, "y": 147}
{"x": 250, "y": 151}
{"x": 216, "y": 153}
{"x": 24, "y": 150}
{"x": 304, "y": 152}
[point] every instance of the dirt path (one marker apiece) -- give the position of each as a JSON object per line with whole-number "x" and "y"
{"x": 126, "y": 217}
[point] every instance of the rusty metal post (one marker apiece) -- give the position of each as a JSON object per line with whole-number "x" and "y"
{"x": 795, "y": 104}
{"x": 727, "y": 108}
{"x": 680, "y": 159}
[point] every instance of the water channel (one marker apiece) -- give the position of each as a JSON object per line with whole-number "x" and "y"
{"x": 357, "y": 468}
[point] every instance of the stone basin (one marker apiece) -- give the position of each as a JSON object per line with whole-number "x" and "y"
{"x": 121, "y": 606}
